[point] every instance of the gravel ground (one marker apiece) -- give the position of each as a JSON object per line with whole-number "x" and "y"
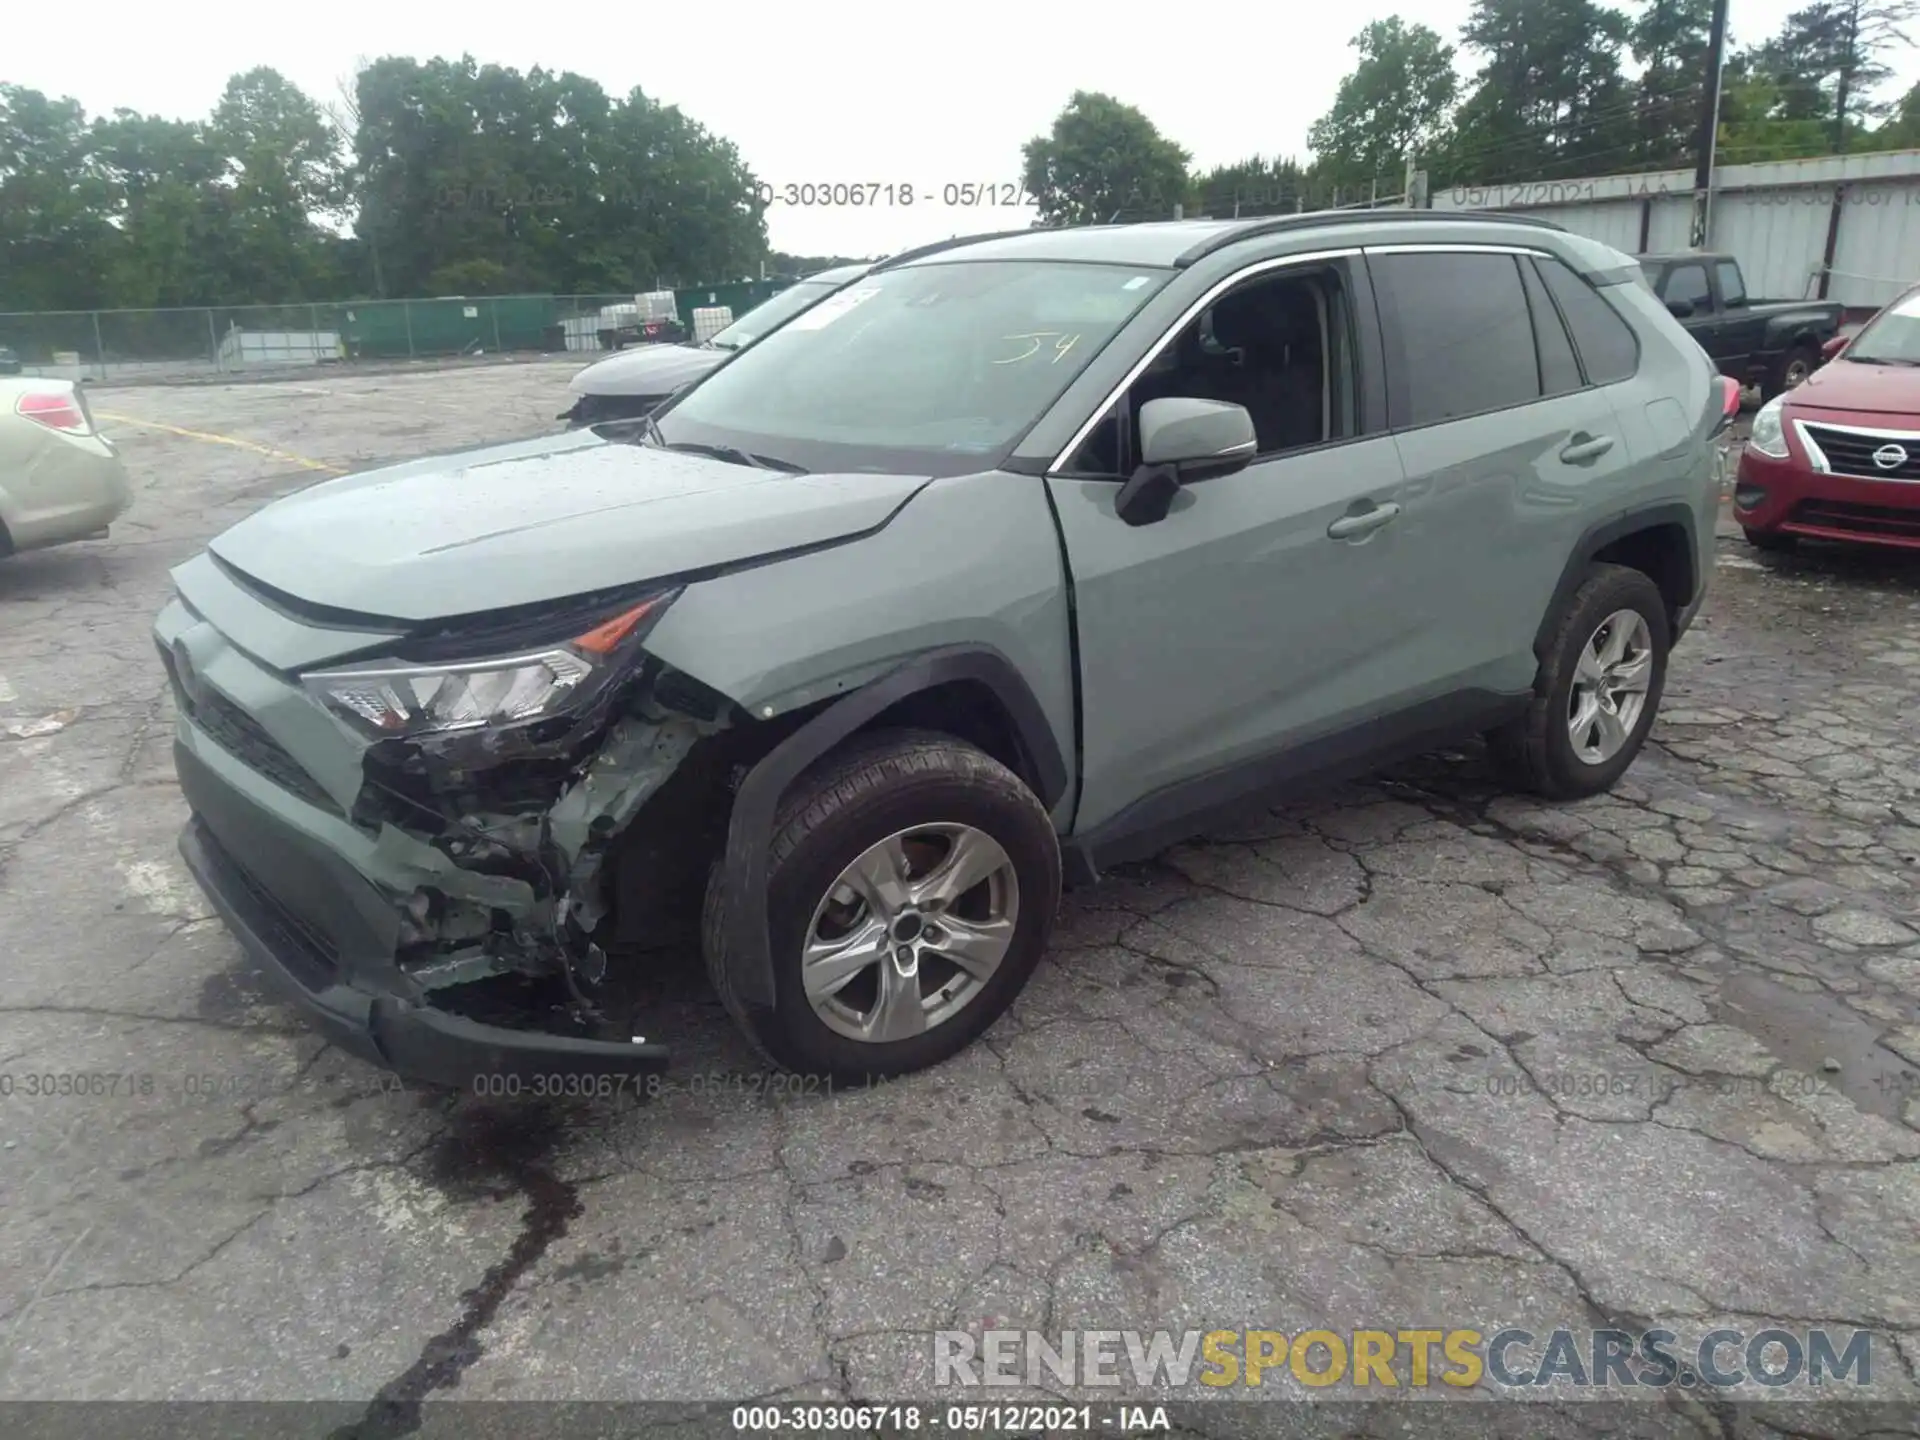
{"x": 1413, "y": 1053}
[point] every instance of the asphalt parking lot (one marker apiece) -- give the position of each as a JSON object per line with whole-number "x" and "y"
{"x": 1414, "y": 1053}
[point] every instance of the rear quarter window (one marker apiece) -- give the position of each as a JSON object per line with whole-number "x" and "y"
{"x": 1608, "y": 348}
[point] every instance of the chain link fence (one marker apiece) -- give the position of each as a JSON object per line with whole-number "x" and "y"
{"x": 128, "y": 346}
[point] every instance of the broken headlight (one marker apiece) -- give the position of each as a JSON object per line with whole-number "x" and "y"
{"x": 398, "y": 699}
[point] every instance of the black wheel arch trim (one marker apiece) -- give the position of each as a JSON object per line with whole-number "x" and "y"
{"x": 750, "y": 831}
{"x": 1597, "y": 537}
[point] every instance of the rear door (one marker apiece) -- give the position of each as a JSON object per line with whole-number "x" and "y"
{"x": 1505, "y": 444}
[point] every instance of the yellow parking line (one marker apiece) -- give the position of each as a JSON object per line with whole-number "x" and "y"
{"x": 212, "y": 439}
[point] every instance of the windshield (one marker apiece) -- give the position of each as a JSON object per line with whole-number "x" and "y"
{"x": 929, "y": 369}
{"x": 1892, "y": 337}
{"x": 771, "y": 313}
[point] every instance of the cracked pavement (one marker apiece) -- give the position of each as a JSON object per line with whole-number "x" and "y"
{"x": 1412, "y": 1052}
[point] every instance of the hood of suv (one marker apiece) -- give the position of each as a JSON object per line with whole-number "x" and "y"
{"x": 539, "y": 520}
{"x": 647, "y": 370}
{"x": 1843, "y": 384}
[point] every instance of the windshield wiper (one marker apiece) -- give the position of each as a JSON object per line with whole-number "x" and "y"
{"x": 1880, "y": 360}
{"x": 734, "y": 455}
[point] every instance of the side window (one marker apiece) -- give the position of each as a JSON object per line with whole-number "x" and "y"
{"x": 1466, "y": 336}
{"x": 1559, "y": 370}
{"x": 1279, "y": 344}
{"x": 1733, "y": 287}
{"x": 1688, "y": 283}
{"x": 1605, "y": 342}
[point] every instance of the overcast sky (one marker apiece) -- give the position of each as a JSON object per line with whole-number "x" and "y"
{"x": 876, "y": 94}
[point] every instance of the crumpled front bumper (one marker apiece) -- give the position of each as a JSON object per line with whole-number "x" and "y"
{"x": 324, "y": 937}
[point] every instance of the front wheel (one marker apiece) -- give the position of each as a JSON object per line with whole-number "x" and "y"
{"x": 912, "y": 885}
{"x": 1597, "y": 691}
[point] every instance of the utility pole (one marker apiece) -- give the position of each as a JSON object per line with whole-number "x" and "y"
{"x": 1709, "y": 128}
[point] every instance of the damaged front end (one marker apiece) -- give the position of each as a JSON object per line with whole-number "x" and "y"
{"x": 500, "y": 775}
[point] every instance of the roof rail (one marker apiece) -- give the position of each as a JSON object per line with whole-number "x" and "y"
{"x": 951, "y": 243}
{"x": 1314, "y": 219}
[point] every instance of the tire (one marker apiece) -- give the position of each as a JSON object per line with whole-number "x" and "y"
{"x": 1537, "y": 750}
{"x": 1790, "y": 370}
{"x": 1771, "y": 540}
{"x": 873, "y": 790}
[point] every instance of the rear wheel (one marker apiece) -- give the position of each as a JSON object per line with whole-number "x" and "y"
{"x": 912, "y": 884}
{"x": 1790, "y": 370}
{"x": 1597, "y": 691}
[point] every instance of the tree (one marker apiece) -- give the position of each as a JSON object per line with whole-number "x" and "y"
{"x": 1826, "y": 61}
{"x": 1902, "y": 130}
{"x": 55, "y": 237}
{"x": 1252, "y": 187}
{"x": 1760, "y": 121}
{"x": 1102, "y": 158}
{"x": 1670, "y": 40}
{"x": 462, "y": 178}
{"x": 172, "y": 213}
{"x": 284, "y": 170}
{"x": 1548, "y": 100}
{"x": 546, "y": 176}
{"x": 781, "y": 265}
{"x": 1394, "y": 104}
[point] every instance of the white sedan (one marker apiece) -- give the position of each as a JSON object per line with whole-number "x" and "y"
{"x": 60, "y": 478}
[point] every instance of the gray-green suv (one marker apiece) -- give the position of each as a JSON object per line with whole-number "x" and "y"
{"x": 1004, "y": 564}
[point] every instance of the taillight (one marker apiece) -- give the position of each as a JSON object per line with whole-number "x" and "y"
{"x": 1729, "y": 403}
{"x": 55, "y": 409}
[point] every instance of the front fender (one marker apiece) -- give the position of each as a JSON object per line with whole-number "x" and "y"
{"x": 964, "y": 583}
{"x": 750, "y": 832}
{"x": 970, "y": 562}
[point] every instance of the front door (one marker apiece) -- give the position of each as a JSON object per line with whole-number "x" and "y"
{"x": 1239, "y": 624}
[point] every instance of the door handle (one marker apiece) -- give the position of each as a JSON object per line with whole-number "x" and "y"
{"x": 1349, "y": 527}
{"x": 1584, "y": 447}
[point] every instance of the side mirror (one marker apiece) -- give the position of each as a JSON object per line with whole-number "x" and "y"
{"x": 1197, "y": 438}
{"x": 1831, "y": 350}
{"x": 1680, "y": 309}
{"x": 1181, "y": 440}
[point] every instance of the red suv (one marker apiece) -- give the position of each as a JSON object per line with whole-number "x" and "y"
{"x": 1838, "y": 457}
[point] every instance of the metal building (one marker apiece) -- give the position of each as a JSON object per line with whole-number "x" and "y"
{"x": 1838, "y": 227}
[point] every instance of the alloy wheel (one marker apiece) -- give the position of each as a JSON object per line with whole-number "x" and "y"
{"x": 910, "y": 932}
{"x": 1610, "y": 686}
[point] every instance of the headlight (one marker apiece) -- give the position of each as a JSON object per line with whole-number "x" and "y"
{"x": 1769, "y": 435}
{"x": 394, "y": 699}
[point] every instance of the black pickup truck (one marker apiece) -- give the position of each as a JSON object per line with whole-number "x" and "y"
{"x": 1774, "y": 344}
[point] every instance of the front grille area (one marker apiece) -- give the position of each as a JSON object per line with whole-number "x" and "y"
{"x": 241, "y": 736}
{"x": 1851, "y": 454}
{"x": 309, "y": 952}
{"x": 1864, "y": 519}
